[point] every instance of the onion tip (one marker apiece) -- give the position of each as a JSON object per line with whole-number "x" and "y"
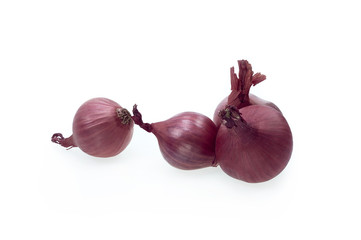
{"x": 65, "y": 142}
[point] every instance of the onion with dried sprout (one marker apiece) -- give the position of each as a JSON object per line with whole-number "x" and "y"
{"x": 254, "y": 142}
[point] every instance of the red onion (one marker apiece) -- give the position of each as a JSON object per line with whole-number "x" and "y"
{"x": 101, "y": 128}
{"x": 186, "y": 141}
{"x": 254, "y": 144}
{"x": 254, "y": 141}
{"x": 240, "y": 86}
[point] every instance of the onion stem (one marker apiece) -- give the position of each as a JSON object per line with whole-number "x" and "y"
{"x": 65, "y": 142}
{"x": 241, "y": 85}
{"x": 137, "y": 118}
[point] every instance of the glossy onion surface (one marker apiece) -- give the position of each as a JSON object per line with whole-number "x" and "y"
{"x": 256, "y": 149}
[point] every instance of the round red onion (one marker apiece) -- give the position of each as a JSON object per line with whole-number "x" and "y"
{"x": 254, "y": 143}
{"x": 186, "y": 141}
{"x": 240, "y": 86}
{"x": 101, "y": 128}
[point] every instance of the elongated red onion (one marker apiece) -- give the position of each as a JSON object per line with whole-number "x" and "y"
{"x": 186, "y": 141}
{"x": 254, "y": 143}
{"x": 240, "y": 86}
{"x": 101, "y": 128}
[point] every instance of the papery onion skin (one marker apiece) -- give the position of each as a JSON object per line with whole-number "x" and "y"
{"x": 240, "y": 96}
{"x": 101, "y": 128}
{"x": 258, "y": 147}
{"x": 186, "y": 141}
{"x": 253, "y": 100}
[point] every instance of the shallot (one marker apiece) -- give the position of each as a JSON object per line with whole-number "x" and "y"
{"x": 186, "y": 141}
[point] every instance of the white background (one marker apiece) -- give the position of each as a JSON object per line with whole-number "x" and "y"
{"x": 170, "y": 57}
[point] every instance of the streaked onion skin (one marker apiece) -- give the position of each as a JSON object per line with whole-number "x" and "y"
{"x": 254, "y": 146}
{"x": 101, "y": 128}
{"x": 186, "y": 141}
{"x": 253, "y": 100}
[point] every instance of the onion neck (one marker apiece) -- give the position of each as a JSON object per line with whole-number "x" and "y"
{"x": 241, "y": 85}
{"x": 137, "y": 118}
{"x": 231, "y": 117}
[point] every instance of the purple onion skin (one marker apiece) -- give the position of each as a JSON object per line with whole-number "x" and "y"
{"x": 101, "y": 128}
{"x": 187, "y": 140}
{"x": 258, "y": 149}
{"x": 253, "y": 100}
